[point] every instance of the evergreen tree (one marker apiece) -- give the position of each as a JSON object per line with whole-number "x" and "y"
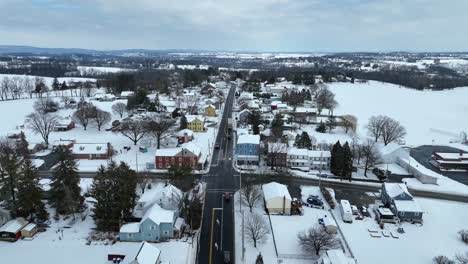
{"x": 103, "y": 189}
{"x": 183, "y": 122}
{"x": 65, "y": 189}
{"x": 255, "y": 120}
{"x": 64, "y": 86}
{"x": 297, "y": 141}
{"x": 336, "y": 160}
{"x": 321, "y": 128}
{"x": 259, "y": 259}
{"x": 347, "y": 161}
{"x": 55, "y": 84}
{"x": 277, "y": 125}
{"x": 22, "y": 146}
{"x": 10, "y": 163}
{"x": 127, "y": 182}
{"x": 30, "y": 193}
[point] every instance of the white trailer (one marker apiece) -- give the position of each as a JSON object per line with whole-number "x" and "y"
{"x": 346, "y": 212}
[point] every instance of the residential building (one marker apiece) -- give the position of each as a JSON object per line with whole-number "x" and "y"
{"x": 277, "y": 198}
{"x": 92, "y": 150}
{"x": 156, "y": 225}
{"x": 195, "y": 123}
{"x": 450, "y": 161}
{"x": 210, "y": 110}
{"x": 126, "y": 94}
{"x": 147, "y": 254}
{"x": 29, "y": 230}
{"x": 11, "y": 230}
{"x": 309, "y": 159}
{"x": 184, "y": 135}
{"x": 400, "y": 201}
{"x": 247, "y": 149}
{"x": 243, "y": 116}
{"x": 64, "y": 124}
{"x": 168, "y": 198}
{"x": 188, "y": 154}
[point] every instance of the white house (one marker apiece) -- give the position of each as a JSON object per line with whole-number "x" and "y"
{"x": 309, "y": 159}
{"x": 277, "y": 198}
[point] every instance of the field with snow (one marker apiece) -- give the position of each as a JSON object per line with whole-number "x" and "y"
{"x": 420, "y": 112}
{"x": 93, "y": 70}
{"x": 49, "y": 80}
{"x": 419, "y": 244}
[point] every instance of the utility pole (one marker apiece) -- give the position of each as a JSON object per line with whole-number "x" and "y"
{"x": 136, "y": 157}
{"x": 240, "y": 193}
{"x": 320, "y": 169}
{"x": 243, "y": 247}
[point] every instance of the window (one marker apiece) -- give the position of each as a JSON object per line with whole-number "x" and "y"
{"x": 130, "y": 235}
{"x": 153, "y": 227}
{"x": 165, "y": 232}
{"x": 416, "y": 214}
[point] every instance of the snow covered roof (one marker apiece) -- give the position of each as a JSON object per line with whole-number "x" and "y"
{"x": 29, "y": 227}
{"x": 182, "y": 132}
{"x": 242, "y": 131}
{"x": 336, "y": 256}
{"x": 407, "y": 206}
{"x": 273, "y": 190}
{"x": 130, "y": 228}
{"x": 309, "y": 153}
{"x": 90, "y": 148}
{"x": 305, "y": 110}
{"x": 197, "y": 150}
{"x": 159, "y": 215}
{"x": 191, "y": 118}
{"x": 249, "y": 139}
{"x": 179, "y": 223}
{"x": 454, "y": 156}
{"x": 126, "y": 93}
{"x": 13, "y": 226}
{"x": 147, "y": 254}
{"x": 244, "y": 111}
{"x": 210, "y": 106}
{"x": 396, "y": 189}
{"x": 167, "y": 152}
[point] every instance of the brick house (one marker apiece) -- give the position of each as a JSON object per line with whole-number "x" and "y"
{"x": 168, "y": 157}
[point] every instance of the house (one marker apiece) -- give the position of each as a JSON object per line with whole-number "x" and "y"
{"x": 11, "y": 231}
{"x": 126, "y": 94}
{"x": 4, "y": 216}
{"x": 29, "y": 230}
{"x": 147, "y": 254}
{"x": 196, "y": 123}
{"x": 208, "y": 89}
{"x": 304, "y": 114}
{"x": 92, "y": 150}
{"x": 277, "y": 198}
{"x": 397, "y": 197}
{"x": 104, "y": 97}
{"x": 450, "y": 161}
{"x": 243, "y": 116}
{"x": 277, "y": 154}
{"x": 64, "y": 124}
{"x": 66, "y": 143}
{"x": 156, "y": 225}
{"x": 335, "y": 256}
{"x": 309, "y": 159}
{"x": 210, "y": 110}
{"x": 247, "y": 149}
{"x": 168, "y": 198}
{"x": 36, "y": 147}
{"x": 184, "y": 136}
{"x": 165, "y": 158}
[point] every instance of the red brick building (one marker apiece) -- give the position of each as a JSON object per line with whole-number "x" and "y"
{"x": 166, "y": 158}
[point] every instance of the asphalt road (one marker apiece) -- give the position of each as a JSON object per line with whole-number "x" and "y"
{"x": 423, "y": 155}
{"x": 217, "y": 230}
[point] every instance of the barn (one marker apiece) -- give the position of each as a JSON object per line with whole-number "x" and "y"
{"x": 11, "y": 231}
{"x": 277, "y": 198}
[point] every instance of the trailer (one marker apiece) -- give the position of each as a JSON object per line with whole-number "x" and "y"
{"x": 346, "y": 211}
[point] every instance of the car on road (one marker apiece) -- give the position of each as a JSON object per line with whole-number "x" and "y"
{"x": 354, "y": 209}
{"x": 314, "y": 201}
{"x": 364, "y": 211}
{"x": 227, "y": 257}
{"x": 217, "y": 146}
{"x": 227, "y": 196}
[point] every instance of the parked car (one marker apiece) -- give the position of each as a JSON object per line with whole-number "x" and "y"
{"x": 364, "y": 211}
{"x": 315, "y": 201}
{"x": 227, "y": 196}
{"x": 354, "y": 209}
{"x": 217, "y": 146}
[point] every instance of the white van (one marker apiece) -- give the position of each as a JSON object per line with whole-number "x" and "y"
{"x": 346, "y": 212}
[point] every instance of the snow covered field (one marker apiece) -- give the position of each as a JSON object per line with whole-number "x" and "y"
{"x": 419, "y": 244}
{"x": 417, "y": 111}
{"x": 99, "y": 70}
{"x": 49, "y": 80}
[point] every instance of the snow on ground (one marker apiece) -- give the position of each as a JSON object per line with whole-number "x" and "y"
{"x": 419, "y": 244}
{"x": 49, "y": 80}
{"x": 417, "y": 111}
{"x": 331, "y": 138}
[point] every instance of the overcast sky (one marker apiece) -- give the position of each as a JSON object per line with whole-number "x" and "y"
{"x": 238, "y": 25}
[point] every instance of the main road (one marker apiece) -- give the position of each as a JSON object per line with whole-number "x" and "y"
{"x": 217, "y": 230}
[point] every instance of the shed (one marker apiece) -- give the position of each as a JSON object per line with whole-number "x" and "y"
{"x": 277, "y": 198}
{"x": 147, "y": 254}
{"x": 29, "y": 230}
{"x": 11, "y": 231}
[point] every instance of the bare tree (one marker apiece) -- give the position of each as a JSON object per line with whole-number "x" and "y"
{"x": 250, "y": 195}
{"x": 325, "y": 99}
{"x": 349, "y": 122}
{"x": 392, "y": 131}
{"x": 45, "y": 105}
{"x": 119, "y": 109}
{"x": 133, "y": 130}
{"x": 256, "y": 228}
{"x": 375, "y": 126}
{"x": 159, "y": 128}
{"x": 370, "y": 155}
{"x": 316, "y": 239}
{"x": 28, "y": 85}
{"x": 101, "y": 118}
{"x": 462, "y": 258}
{"x": 276, "y": 154}
{"x": 443, "y": 260}
{"x": 84, "y": 114}
{"x": 42, "y": 123}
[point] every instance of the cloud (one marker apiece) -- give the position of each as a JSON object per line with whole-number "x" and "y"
{"x": 272, "y": 25}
